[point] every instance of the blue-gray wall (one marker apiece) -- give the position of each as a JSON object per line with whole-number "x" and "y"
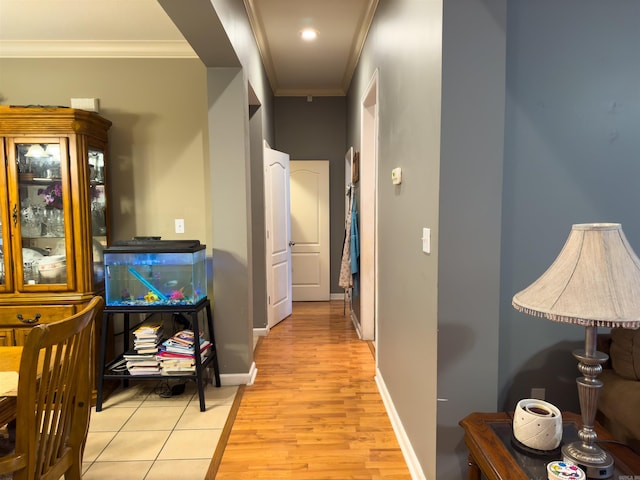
{"x": 315, "y": 129}
{"x": 572, "y": 155}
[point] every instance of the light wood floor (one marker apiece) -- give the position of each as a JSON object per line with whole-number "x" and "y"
{"x": 314, "y": 411}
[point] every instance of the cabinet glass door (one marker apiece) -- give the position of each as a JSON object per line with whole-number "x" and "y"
{"x": 2, "y": 269}
{"x": 41, "y": 208}
{"x": 5, "y": 247}
{"x": 98, "y": 211}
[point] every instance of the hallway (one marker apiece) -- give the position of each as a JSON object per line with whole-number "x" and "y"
{"x": 314, "y": 411}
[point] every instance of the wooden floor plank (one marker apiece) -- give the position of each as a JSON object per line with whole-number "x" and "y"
{"x": 314, "y": 411}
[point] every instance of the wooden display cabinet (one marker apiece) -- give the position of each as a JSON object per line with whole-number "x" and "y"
{"x": 53, "y": 215}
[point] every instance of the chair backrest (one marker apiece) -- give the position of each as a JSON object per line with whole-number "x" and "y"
{"x": 54, "y": 396}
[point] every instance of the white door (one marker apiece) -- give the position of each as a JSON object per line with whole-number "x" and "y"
{"x": 278, "y": 230}
{"x": 310, "y": 230}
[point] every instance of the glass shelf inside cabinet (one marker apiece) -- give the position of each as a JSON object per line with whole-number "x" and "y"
{"x": 98, "y": 212}
{"x": 42, "y": 223}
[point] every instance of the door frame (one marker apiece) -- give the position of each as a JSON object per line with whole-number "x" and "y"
{"x": 368, "y": 206}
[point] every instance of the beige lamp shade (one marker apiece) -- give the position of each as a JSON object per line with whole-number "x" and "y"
{"x": 595, "y": 281}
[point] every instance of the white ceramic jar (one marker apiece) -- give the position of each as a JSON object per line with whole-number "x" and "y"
{"x": 537, "y": 424}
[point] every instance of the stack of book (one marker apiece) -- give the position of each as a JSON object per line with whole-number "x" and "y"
{"x": 147, "y": 337}
{"x": 142, "y": 359}
{"x": 142, "y": 364}
{"x": 177, "y": 354}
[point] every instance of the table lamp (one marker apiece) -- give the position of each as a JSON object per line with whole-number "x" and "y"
{"x": 594, "y": 282}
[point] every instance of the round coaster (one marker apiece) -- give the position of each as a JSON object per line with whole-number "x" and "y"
{"x": 561, "y": 470}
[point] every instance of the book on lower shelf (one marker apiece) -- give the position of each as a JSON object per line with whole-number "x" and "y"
{"x": 168, "y": 347}
{"x": 149, "y": 328}
{"x": 178, "y": 344}
{"x": 134, "y": 355}
{"x": 147, "y": 337}
{"x": 138, "y": 370}
{"x": 141, "y": 364}
{"x": 173, "y": 366}
{"x": 177, "y": 355}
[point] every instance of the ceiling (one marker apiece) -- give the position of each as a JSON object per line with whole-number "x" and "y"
{"x": 141, "y": 28}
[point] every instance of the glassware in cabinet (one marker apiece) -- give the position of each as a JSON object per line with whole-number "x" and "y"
{"x": 42, "y": 198}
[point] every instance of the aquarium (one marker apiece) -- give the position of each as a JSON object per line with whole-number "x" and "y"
{"x": 155, "y": 273}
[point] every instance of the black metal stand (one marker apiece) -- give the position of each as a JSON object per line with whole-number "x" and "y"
{"x": 212, "y": 357}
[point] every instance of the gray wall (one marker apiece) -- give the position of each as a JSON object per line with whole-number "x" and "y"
{"x": 473, "y": 100}
{"x": 316, "y": 130}
{"x": 231, "y": 215}
{"x": 257, "y": 127}
{"x": 220, "y": 33}
{"x": 258, "y": 228}
{"x": 404, "y": 45}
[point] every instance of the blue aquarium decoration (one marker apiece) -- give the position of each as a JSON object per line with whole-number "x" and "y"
{"x": 152, "y": 272}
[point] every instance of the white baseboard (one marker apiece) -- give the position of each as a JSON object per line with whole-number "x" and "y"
{"x": 261, "y": 332}
{"x": 405, "y": 445}
{"x": 356, "y": 324}
{"x": 228, "y": 379}
{"x": 337, "y": 296}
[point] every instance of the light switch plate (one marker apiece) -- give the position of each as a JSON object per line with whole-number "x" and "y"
{"x": 179, "y": 225}
{"x": 396, "y": 176}
{"x": 426, "y": 240}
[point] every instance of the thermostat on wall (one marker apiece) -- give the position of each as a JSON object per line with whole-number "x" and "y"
{"x": 396, "y": 176}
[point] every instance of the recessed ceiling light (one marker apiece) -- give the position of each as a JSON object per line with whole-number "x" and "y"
{"x": 308, "y": 34}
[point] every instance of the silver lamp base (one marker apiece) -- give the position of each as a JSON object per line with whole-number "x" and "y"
{"x": 586, "y": 453}
{"x": 595, "y": 462}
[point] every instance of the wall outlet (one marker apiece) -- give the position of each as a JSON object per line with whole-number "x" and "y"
{"x": 179, "y": 225}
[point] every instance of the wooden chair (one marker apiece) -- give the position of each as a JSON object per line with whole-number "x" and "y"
{"x": 54, "y": 399}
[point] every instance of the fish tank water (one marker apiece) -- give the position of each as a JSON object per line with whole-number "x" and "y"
{"x": 149, "y": 272}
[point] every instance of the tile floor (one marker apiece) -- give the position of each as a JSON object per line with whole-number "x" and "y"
{"x": 140, "y": 435}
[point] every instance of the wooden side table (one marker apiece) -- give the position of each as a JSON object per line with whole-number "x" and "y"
{"x": 492, "y": 453}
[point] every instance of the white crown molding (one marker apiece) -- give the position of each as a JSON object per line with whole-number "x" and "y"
{"x": 358, "y": 43}
{"x": 262, "y": 42}
{"x": 96, "y": 49}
